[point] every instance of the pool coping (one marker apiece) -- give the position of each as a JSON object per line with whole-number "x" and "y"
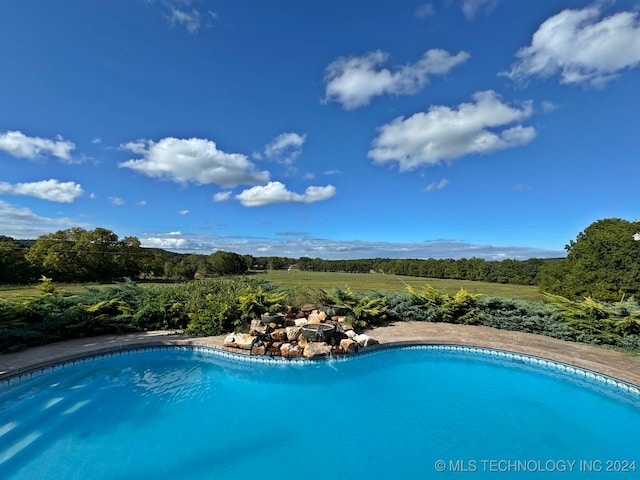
{"x": 615, "y": 364}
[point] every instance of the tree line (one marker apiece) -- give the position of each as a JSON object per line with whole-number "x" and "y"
{"x": 518, "y": 272}
{"x": 78, "y": 255}
{"x": 602, "y": 262}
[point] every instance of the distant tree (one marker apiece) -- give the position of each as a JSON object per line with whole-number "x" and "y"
{"x": 603, "y": 262}
{"x": 83, "y": 255}
{"x": 152, "y": 263}
{"x": 227, "y": 263}
{"x": 14, "y": 267}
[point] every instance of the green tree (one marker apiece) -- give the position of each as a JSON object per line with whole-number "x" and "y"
{"x": 83, "y": 255}
{"x": 603, "y": 262}
{"x": 14, "y": 267}
{"x": 227, "y": 263}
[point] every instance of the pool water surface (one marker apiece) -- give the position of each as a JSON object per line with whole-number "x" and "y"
{"x": 419, "y": 412}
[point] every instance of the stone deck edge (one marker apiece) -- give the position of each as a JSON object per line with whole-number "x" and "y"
{"x": 618, "y": 365}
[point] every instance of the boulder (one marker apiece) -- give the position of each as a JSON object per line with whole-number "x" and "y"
{"x": 259, "y": 350}
{"x": 230, "y": 340}
{"x": 301, "y": 322}
{"x": 273, "y": 351}
{"x": 285, "y": 350}
{"x": 279, "y": 335}
{"x": 258, "y": 328}
{"x": 337, "y": 350}
{"x": 244, "y": 340}
{"x": 365, "y": 340}
{"x": 314, "y": 317}
{"x": 349, "y": 345}
{"x": 296, "y": 351}
{"x": 351, "y": 334}
{"x": 316, "y": 349}
{"x": 293, "y": 333}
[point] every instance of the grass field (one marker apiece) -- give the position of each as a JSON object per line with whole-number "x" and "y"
{"x": 393, "y": 283}
{"x": 328, "y": 281}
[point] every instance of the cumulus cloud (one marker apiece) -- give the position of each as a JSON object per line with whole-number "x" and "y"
{"x": 116, "y": 201}
{"x": 19, "y": 222}
{"x": 52, "y": 190}
{"x": 222, "y": 196}
{"x": 19, "y": 145}
{"x": 194, "y": 160}
{"x": 285, "y": 148}
{"x": 354, "y": 81}
{"x": 436, "y": 186}
{"x": 165, "y": 243}
{"x": 581, "y": 47}
{"x": 298, "y": 244}
{"x": 276, "y": 192}
{"x": 445, "y": 133}
{"x": 183, "y": 212}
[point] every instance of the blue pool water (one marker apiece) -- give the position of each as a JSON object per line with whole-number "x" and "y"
{"x": 180, "y": 413}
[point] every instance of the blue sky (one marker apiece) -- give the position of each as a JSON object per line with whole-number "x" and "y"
{"x": 334, "y": 129}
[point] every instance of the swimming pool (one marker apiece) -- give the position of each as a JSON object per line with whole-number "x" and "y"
{"x": 411, "y": 412}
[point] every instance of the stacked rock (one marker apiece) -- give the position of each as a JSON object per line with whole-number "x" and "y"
{"x": 301, "y": 332}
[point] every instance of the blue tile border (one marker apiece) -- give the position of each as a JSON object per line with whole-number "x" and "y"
{"x": 504, "y": 356}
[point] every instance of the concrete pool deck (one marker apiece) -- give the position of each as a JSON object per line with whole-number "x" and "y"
{"x": 620, "y": 365}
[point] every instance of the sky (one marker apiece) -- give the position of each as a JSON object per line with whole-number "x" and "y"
{"x": 336, "y": 129}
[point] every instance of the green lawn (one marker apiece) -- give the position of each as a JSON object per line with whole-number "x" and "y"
{"x": 328, "y": 281}
{"x": 393, "y": 283}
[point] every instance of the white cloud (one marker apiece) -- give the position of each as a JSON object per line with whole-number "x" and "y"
{"x": 168, "y": 243}
{"x": 141, "y": 203}
{"x": 445, "y": 133}
{"x": 186, "y": 13}
{"x": 354, "y": 81}
{"x": 471, "y": 7}
{"x": 96, "y": 140}
{"x": 436, "y": 186}
{"x": 139, "y": 147}
{"x": 52, "y": 190}
{"x": 276, "y": 192}
{"x": 285, "y": 148}
{"x": 304, "y": 246}
{"x": 194, "y": 160}
{"x": 222, "y": 196}
{"x": 425, "y": 10}
{"x": 191, "y": 20}
{"x": 116, "y": 201}
{"x": 19, "y": 145}
{"x": 19, "y": 222}
{"x": 581, "y": 47}
{"x": 183, "y": 212}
